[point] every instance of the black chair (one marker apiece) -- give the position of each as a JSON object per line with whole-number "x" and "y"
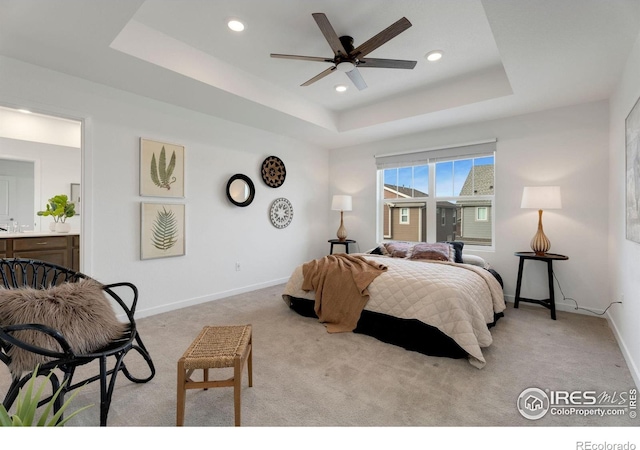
{"x": 16, "y": 273}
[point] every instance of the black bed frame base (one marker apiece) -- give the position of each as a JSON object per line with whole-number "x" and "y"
{"x": 410, "y": 334}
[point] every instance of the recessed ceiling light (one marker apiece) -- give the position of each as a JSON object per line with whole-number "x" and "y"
{"x": 235, "y": 25}
{"x": 434, "y": 55}
{"x": 340, "y": 88}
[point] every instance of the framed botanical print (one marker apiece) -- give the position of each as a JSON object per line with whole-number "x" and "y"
{"x": 161, "y": 169}
{"x": 162, "y": 231}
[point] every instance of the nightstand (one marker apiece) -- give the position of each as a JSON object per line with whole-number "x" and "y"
{"x": 346, "y": 243}
{"x": 549, "y": 303}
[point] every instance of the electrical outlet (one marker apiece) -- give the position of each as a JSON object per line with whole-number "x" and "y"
{"x": 237, "y": 266}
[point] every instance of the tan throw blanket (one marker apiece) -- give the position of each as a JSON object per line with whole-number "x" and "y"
{"x": 340, "y": 284}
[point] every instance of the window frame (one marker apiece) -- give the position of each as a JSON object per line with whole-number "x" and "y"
{"x": 486, "y": 215}
{"x": 401, "y": 215}
{"x": 431, "y": 204}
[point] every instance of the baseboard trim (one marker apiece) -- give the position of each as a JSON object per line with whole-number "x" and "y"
{"x": 207, "y": 298}
{"x": 564, "y": 306}
{"x": 633, "y": 367}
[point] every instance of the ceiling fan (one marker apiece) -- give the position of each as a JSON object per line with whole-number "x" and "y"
{"x": 348, "y": 59}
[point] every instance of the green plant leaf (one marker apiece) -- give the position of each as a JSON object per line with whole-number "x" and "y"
{"x": 59, "y": 208}
{"x": 154, "y": 171}
{"x": 5, "y": 418}
{"x": 30, "y": 401}
{"x": 164, "y": 230}
{"x": 162, "y": 166}
{"x": 54, "y": 420}
{"x": 27, "y": 405}
{"x": 171, "y": 167}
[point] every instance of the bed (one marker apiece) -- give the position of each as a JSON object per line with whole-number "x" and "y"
{"x": 429, "y": 298}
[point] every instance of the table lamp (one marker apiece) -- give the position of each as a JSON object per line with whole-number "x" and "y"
{"x": 341, "y": 203}
{"x": 541, "y": 198}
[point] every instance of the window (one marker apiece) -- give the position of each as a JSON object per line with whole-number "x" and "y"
{"x": 404, "y": 216}
{"x": 448, "y": 193}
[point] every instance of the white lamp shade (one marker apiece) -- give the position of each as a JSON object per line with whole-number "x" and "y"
{"x": 341, "y": 203}
{"x": 541, "y": 197}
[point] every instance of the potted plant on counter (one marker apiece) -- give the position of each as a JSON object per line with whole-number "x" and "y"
{"x": 60, "y": 208}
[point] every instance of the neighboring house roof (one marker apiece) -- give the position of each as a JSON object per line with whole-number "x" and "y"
{"x": 446, "y": 205}
{"x": 479, "y": 181}
{"x": 405, "y": 191}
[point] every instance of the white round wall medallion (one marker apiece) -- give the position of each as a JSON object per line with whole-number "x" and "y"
{"x": 281, "y": 213}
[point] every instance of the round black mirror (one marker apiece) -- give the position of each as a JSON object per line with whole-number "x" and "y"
{"x": 240, "y": 190}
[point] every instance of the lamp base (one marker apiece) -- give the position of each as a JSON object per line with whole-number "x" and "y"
{"x": 540, "y": 244}
{"x": 342, "y": 231}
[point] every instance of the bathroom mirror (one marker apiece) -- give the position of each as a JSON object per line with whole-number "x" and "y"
{"x": 240, "y": 190}
{"x": 30, "y": 145}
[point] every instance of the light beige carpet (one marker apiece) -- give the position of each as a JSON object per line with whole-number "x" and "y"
{"x": 304, "y": 376}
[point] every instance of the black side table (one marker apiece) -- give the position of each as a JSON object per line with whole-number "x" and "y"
{"x": 549, "y": 303}
{"x": 346, "y": 243}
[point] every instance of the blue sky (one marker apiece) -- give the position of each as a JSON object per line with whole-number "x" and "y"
{"x": 450, "y": 176}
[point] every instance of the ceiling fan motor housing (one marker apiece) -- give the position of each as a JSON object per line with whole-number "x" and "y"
{"x": 346, "y": 63}
{"x": 347, "y": 43}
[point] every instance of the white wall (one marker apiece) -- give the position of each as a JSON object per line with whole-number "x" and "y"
{"x": 217, "y": 233}
{"x": 624, "y": 256}
{"x": 58, "y": 167}
{"x": 565, "y": 147}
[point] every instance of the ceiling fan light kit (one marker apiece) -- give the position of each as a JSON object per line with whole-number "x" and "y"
{"x": 345, "y": 66}
{"x": 348, "y": 59}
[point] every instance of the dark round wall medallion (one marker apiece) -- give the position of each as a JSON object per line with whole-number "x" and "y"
{"x": 273, "y": 171}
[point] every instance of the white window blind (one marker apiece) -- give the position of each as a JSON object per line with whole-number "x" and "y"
{"x": 426, "y": 156}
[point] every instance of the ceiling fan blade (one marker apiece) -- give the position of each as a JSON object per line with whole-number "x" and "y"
{"x": 384, "y": 36}
{"x": 329, "y": 34}
{"x": 357, "y": 79}
{"x": 305, "y": 58}
{"x": 322, "y": 74}
{"x": 387, "y": 63}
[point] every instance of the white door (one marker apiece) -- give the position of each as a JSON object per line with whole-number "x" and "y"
{"x": 8, "y": 197}
{"x": 16, "y": 193}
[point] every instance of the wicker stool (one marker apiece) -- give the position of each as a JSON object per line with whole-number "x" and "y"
{"x": 215, "y": 348}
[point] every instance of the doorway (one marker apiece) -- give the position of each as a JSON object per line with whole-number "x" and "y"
{"x": 41, "y": 156}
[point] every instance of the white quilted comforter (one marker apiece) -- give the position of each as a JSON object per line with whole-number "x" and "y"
{"x": 458, "y": 299}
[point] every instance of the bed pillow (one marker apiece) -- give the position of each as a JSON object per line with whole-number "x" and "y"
{"x": 440, "y": 251}
{"x": 457, "y": 246}
{"x": 80, "y": 311}
{"x": 379, "y": 250}
{"x": 398, "y": 249}
{"x": 475, "y": 260}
